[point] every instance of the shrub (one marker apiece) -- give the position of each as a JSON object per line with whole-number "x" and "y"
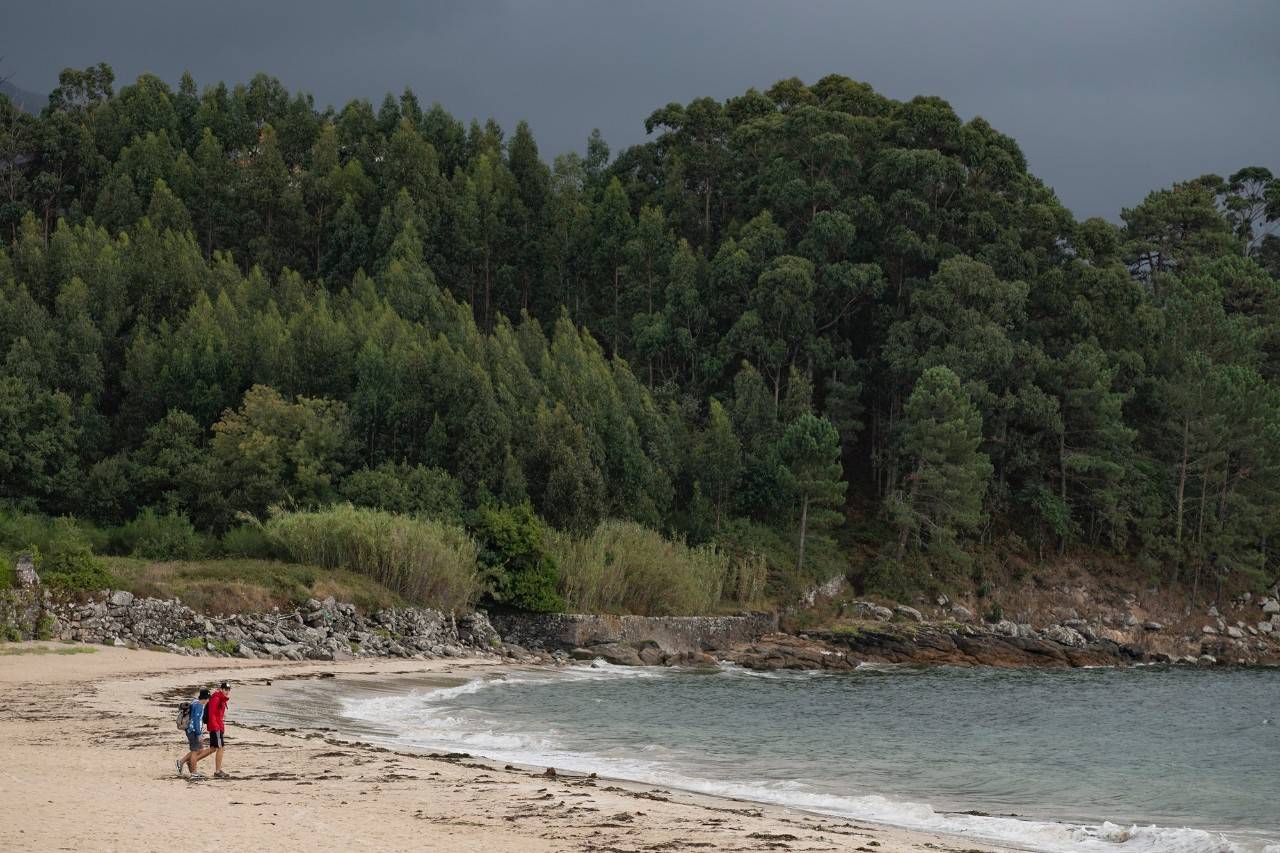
{"x": 247, "y": 540}
{"x": 192, "y": 642}
{"x": 227, "y": 647}
{"x": 155, "y": 536}
{"x": 518, "y": 569}
{"x": 411, "y": 490}
{"x": 426, "y": 562}
{"x": 45, "y": 626}
{"x": 625, "y": 566}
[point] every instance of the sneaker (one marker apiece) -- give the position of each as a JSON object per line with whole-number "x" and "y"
{"x": 196, "y": 777}
{"x": 221, "y": 774}
{"x": 178, "y": 766}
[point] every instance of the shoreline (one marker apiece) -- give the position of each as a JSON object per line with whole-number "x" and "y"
{"x": 90, "y": 745}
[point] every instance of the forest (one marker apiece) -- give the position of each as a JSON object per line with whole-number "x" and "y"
{"x": 808, "y": 328}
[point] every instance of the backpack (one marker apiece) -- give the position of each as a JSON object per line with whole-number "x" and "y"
{"x": 184, "y": 715}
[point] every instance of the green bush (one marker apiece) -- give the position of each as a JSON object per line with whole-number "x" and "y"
{"x": 247, "y": 540}
{"x": 45, "y": 626}
{"x": 519, "y": 571}
{"x": 623, "y": 566}
{"x": 227, "y": 647}
{"x": 427, "y": 562}
{"x": 156, "y": 536}
{"x": 20, "y": 531}
{"x": 409, "y": 490}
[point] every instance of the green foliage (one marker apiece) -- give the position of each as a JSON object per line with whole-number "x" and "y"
{"x": 519, "y": 570}
{"x": 408, "y": 490}
{"x": 156, "y": 536}
{"x": 247, "y": 540}
{"x": 279, "y": 306}
{"x": 427, "y": 562}
{"x": 624, "y": 567}
{"x": 44, "y": 627}
{"x": 192, "y": 642}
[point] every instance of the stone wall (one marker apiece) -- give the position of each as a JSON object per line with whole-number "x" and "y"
{"x": 672, "y": 634}
{"x": 320, "y": 630}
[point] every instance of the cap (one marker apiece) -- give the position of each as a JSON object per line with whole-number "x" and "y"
{"x": 224, "y": 686}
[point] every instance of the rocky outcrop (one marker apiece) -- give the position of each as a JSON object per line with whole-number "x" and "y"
{"x": 674, "y": 636}
{"x": 965, "y": 645}
{"x": 320, "y": 630}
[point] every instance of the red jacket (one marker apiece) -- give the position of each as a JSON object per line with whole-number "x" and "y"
{"x": 215, "y": 711}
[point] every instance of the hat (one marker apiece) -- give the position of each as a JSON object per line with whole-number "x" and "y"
{"x": 204, "y": 693}
{"x": 224, "y": 686}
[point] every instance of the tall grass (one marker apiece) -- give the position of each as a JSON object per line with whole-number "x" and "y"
{"x": 624, "y": 567}
{"x": 426, "y": 562}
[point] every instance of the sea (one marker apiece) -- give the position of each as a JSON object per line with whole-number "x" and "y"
{"x": 1136, "y": 760}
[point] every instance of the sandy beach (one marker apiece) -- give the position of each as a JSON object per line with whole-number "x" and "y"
{"x": 89, "y": 744}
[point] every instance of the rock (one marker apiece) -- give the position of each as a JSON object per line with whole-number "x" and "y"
{"x": 121, "y": 598}
{"x": 1005, "y": 628}
{"x": 908, "y": 613}
{"x": 617, "y": 654}
{"x": 246, "y": 652}
{"x": 1270, "y": 607}
{"x": 1209, "y": 629}
{"x": 943, "y": 601}
{"x": 652, "y": 656}
{"x": 25, "y": 570}
{"x": 1213, "y": 611}
{"x": 961, "y": 613}
{"x": 1265, "y": 627}
{"x": 582, "y": 654}
{"x": 1130, "y": 620}
{"x": 1235, "y": 633}
{"x": 1064, "y": 635}
{"x": 1207, "y": 660}
{"x": 1152, "y": 626}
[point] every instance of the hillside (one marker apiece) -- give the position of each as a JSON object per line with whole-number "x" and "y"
{"x": 806, "y": 331}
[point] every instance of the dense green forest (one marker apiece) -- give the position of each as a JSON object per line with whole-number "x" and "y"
{"x": 809, "y": 323}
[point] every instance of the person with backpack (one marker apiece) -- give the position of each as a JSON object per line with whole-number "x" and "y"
{"x": 215, "y": 721}
{"x": 193, "y": 714}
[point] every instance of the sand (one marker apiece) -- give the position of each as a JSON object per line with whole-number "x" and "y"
{"x": 88, "y": 744}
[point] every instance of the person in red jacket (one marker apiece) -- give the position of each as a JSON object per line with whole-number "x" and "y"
{"x": 215, "y": 722}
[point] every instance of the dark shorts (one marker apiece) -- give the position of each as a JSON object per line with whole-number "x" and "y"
{"x": 193, "y": 741}
{"x": 216, "y": 739}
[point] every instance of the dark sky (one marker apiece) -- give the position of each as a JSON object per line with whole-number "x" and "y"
{"x": 1108, "y": 99}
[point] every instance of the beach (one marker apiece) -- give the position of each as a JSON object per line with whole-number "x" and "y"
{"x": 89, "y": 747}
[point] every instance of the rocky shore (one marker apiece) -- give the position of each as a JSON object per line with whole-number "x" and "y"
{"x": 867, "y": 633}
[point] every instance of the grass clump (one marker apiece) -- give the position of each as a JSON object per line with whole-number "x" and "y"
{"x": 625, "y": 567}
{"x": 192, "y": 643}
{"x": 426, "y": 562}
{"x": 46, "y": 650}
{"x": 243, "y": 586}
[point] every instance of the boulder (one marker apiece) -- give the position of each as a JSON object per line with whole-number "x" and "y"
{"x": 25, "y": 571}
{"x": 1265, "y": 627}
{"x": 121, "y": 598}
{"x": 617, "y": 654}
{"x": 908, "y": 613}
{"x": 1064, "y": 635}
{"x": 1235, "y": 633}
{"x": 1005, "y": 628}
{"x": 1152, "y": 626}
{"x": 1209, "y": 629}
{"x": 1270, "y": 607}
{"x": 961, "y": 613}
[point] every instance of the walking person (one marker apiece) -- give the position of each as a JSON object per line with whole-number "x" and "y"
{"x": 215, "y": 715}
{"x": 193, "y": 735}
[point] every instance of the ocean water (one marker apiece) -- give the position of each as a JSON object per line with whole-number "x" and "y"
{"x": 1145, "y": 760}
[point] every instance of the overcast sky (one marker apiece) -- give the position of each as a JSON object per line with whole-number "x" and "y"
{"x": 1108, "y": 99}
